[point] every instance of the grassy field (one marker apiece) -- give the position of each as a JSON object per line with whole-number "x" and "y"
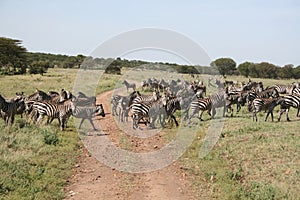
{"x": 250, "y": 160}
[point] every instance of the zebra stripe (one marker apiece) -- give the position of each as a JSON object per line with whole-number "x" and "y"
{"x": 209, "y": 103}
{"x": 136, "y": 97}
{"x": 62, "y": 111}
{"x": 267, "y": 104}
{"x": 9, "y": 110}
{"x": 289, "y": 101}
{"x": 139, "y": 111}
{"x": 172, "y": 105}
{"x": 284, "y": 89}
{"x": 296, "y": 91}
{"x": 270, "y": 92}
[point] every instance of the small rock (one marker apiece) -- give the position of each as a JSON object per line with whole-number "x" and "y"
{"x": 155, "y": 146}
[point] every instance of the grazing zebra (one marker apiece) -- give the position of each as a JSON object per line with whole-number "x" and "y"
{"x": 87, "y": 113}
{"x": 129, "y": 85}
{"x": 285, "y": 89}
{"x": 9, "y": 110}
{"x": 289, "y": 101}
{"x": 267, "y": 104}
{"x": 62, "y": 111}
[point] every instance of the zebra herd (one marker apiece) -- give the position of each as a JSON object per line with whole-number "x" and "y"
{"x": 53, "y": 105}
{"x": 191, "y": 99}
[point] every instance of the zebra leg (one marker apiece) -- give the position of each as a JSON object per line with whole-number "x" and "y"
{"x": 12, "y": 119}
{"x": 298, "y": 111}
{"x": 280, "y": 113}
{"x": 287, "y": 115}
{"x": 91, "y": 122}
{"x": 174, "y": 118}
{"x": 200, "y": 115}
{"x": 63, "y": 122}
{"x": 214, "y": 113}
{"x": 134, "y": 122}
{"x": 269, "y": 111}
{"x": 254, "y": 115}
{"x": 81, "y": 123}
{"x": 272, "y": 116}
{"x": 238, "y": 107}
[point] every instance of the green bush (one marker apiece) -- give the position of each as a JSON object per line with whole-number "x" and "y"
{"x": 50, "y": 138}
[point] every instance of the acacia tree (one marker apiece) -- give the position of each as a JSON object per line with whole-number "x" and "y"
{"x": 244, "y": 68}
{"x": 12, "y": 56}
{"x": 226, "y": 66}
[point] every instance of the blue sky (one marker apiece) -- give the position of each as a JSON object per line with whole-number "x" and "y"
{"x": 245, "y": 30}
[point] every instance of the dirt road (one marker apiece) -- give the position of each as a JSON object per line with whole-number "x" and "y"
{"x": 94, "y": 180}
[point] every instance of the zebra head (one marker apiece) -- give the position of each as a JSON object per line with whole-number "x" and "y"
{"x": 65, "y": 95}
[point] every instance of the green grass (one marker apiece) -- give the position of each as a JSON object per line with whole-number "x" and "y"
{"x": 250, "y": 160}
{"x": 35, "y": 161}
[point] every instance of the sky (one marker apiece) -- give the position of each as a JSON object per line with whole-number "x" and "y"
{"x": 244, "y": 30}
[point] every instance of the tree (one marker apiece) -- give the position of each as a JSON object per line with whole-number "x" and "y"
{"x": 226, "y": 66}
{"x": 286, "y": 72}
{"x": 244, "y": 68}
{"x": 12, "y": 56}
{"x": 266, "y": 70}
{"x": 253, "y": 72}
{"x": 296, "y": 72}
{"x": 39, "y": 67}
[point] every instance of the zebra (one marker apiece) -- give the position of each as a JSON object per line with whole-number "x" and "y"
{"x": 267, "y": 104}
{"x": 296, "y": 91}
{"x": 86, "y": 101}
{"x": 137, "y": 97}
{"x": 209, "y": 103}
{"x": 62, "y": 111}
{"x": 285, "y": 89}
{"x": 53, "y": 97}
{"x": 129, "y": 85}
{"x": 238, "y": 98}
{"x": 146, "y": 110}
{"x": 289, "y": 101}
{"x": 172, "y": 105}
{"x": 121, "y": 104}
{"x": 38, "y": 96}
{"x": 198, "y": 106}
{"x": 139, "y": 110}
{"x": 87, "y": 113}
{"x": 9, "y": 110}
{"x": 267, "y": 93}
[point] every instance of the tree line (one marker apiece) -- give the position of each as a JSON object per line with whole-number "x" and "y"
{"x": 15, "y": 59}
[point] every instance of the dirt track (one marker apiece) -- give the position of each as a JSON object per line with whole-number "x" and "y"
{"x": 94, "y": 180}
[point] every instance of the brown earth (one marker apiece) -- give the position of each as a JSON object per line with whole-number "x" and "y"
{"x": 93, "y": 180}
